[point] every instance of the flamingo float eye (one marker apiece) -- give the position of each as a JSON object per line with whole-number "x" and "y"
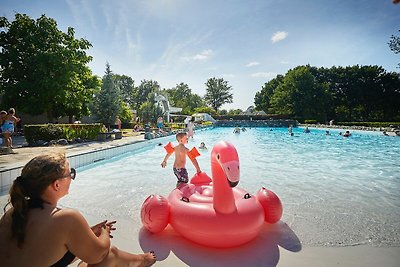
{"x": 218, "y": 156}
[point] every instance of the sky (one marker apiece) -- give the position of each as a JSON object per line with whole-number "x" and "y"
{"x": 247, "y": 43}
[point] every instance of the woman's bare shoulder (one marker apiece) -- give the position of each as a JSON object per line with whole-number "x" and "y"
{"x": 69, "y": 215}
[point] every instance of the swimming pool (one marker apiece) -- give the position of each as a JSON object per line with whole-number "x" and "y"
{"x": 335, "y": 191}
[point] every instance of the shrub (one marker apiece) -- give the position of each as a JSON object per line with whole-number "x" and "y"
{"x": 48, "y": 132}
{"x": 310, "y": 121}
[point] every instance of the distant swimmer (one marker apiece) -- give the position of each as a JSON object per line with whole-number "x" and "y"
{"x": 347, "y": 134}
{"x": 202, "y": 146}
{"x": 306, "y": 130}
{"x": 236, "y": 130}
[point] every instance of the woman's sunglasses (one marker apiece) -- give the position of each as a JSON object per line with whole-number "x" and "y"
{"x": 72, "y": 174}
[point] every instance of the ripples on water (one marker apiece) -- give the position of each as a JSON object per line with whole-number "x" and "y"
{"x": 335, "y": 191}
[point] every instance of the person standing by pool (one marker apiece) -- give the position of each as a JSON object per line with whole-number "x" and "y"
{"x": 8, "y": 126}
{"x": 186, "y": 121}
{"x": 3, "y": 115}
{"x": 117, "y": 123}
{"x": 160, "y": 122}
{"x": 181, "y": 151}
{"x": 35, "y": 232}
{"x": 190, "y": 128}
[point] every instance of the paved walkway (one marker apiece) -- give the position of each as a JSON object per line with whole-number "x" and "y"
{"x": 23, "y": 153}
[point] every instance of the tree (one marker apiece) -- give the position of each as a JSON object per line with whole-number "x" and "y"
{"x": 301, "y": 95}
{"x": 42, "y": 66}
{"x": 262, "y": 98}
{"x": 218, "y": 92}
{"x": 144, "y": 100}
{"x": 149, "y": 111}
{"x": 107, "y": 103}
{"x": 126, "y": 86}
{"x": 181, "y": 96}
{"x": 145, "y": 92}
{"x": 394, "y": 44}
{"x": 208, "y": 110}
{"x": 77, "y": 97}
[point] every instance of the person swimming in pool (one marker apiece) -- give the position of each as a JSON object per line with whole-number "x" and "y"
{"x": 347, "y": 134}
{"x": 202, "y": 146}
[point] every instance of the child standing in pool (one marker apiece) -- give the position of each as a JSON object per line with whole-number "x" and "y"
{"x": 181, "y": 151}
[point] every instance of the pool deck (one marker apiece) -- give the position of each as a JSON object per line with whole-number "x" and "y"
{"x": 22, "y": 153}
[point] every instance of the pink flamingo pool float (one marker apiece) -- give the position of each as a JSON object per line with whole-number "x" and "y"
{"x": 214, "y": 212}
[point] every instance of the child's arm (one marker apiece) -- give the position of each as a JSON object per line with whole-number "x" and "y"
{"x": 192, "y": 154}
{"x": 170, "y": 149}
{"x": 196, "y": 165}
{"x": 164, "y": 162}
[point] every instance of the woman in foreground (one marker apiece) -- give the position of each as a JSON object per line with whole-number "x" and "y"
{"x": 35, "y": 232}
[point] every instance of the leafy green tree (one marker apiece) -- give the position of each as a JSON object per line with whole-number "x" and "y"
{"x": 301, "y": 95}
{"x": 145, "y": 92}
{"x": 125, "y": 113}
{"x": 107, "y": 103}
{"x": 208, "y": 110}
{"x": 181, "y": 96}
{"x": 41, "y": 67}
{"x": 218, "y": 92}
{"x": 126, "y": 86}
{"x": 149, "y": 111}
{"x": 394, "y": 44}
{"x": 237, "y": 111}
{"x": 263, "y": 98}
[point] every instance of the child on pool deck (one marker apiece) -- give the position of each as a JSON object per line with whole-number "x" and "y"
{"x": 181, "y": 151}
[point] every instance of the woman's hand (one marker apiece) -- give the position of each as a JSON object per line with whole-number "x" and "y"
{"x": 98, "y": 228}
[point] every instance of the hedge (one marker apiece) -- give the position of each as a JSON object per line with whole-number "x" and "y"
{"x": 48, "y": 132}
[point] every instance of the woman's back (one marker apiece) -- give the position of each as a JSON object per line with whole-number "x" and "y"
{"x": 44, "y": 242}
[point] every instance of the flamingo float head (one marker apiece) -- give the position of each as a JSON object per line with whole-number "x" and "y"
{"x": 225, "y": 163}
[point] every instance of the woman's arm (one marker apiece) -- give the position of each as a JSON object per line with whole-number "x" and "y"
{"x": 82, "y": 241}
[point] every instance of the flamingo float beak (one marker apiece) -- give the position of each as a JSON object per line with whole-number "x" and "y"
{"x": 231, "y": 170}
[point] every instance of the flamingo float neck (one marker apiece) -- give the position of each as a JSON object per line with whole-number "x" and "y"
{"x": 225, "y": 174}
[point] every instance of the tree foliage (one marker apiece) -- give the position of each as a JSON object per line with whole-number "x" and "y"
{"x": 145, "y": 93}
{"x": 354, "y": 93}
{"x": 218, "y": 92}
{"x": 107, "y": 103}
{"x": 394, "y": 44}
{"x": 126, "y": 86}
{"x": 262, "y": 98}
{"x": 44, "y": 69}
{"x": 181, "y": 96}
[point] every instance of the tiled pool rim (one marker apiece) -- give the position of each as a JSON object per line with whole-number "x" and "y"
{"x": 81, "y": 159}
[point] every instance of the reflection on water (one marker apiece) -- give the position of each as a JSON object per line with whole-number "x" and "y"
{"x": 335, "y": 191}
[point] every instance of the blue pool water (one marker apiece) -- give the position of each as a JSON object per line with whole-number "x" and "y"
{"x": 335, "y": 191}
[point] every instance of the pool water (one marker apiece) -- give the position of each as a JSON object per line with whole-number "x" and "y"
{"x": 335, "y": 191}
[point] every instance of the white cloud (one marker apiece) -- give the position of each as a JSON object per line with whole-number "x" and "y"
{"x": 203, "y": 56}
{"x": 284, "y": 62}
{"x": 279, "y": 36}
{"x": 252, "y": 64}
{"x": 228, "y": 75}
{"x": 264, "y": 74}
